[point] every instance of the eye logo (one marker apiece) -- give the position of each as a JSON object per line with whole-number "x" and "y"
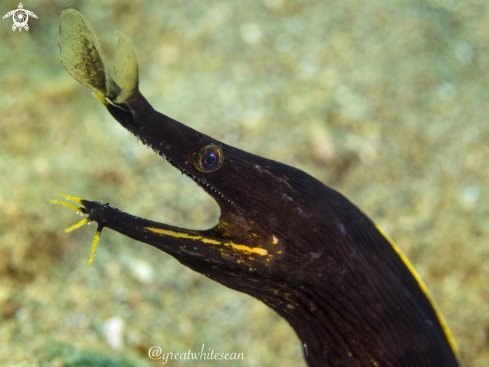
{"x": 20, "y": 17}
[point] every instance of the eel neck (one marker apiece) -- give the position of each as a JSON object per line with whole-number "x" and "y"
{"x": 342, "y": 330}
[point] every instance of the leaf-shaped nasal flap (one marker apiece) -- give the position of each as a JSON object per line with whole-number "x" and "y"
{"x": 125, "y": 70}
{"x": 81, "y": 53}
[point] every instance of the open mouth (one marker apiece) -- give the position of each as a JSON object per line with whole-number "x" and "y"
{"x": 198, "y": 156}
{"x": 232, "y": 228}
{"x": 232, "y": 225}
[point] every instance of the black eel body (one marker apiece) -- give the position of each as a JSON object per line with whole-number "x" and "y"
{"x": 283, "y": 237}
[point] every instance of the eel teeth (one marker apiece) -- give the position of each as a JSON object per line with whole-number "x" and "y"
{"x": 182, "y": 170}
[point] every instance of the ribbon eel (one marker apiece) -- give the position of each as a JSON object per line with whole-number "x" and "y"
{"x": 283, "y": 237}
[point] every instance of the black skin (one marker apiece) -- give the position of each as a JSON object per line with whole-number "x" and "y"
{"x": 328, "y": 270}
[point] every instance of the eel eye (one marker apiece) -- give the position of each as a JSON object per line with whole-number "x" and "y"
{"x": 209, "y": 158}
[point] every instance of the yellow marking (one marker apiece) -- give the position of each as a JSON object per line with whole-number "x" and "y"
{"x": 423, "y": 287}
{"x": 72, "y": 198}
{"x": 290, "y": 307}
{"x": 101, "y": 97}
{"x": 94, "y": 245}
{"x": 182, "y": 235}
{"x": 257, "y": 250}
{"x": 76, "y": 208}
{"x": 78, "y": 225}
{"x": 275, "y": 240}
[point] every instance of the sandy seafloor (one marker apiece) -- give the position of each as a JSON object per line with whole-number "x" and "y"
{"x": 385, "y": 101}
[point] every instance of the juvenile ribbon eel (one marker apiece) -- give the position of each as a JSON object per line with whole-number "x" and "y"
{"x": 350, "y": 294}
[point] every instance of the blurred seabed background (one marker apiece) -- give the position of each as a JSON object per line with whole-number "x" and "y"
{"x": 385, "y": 101}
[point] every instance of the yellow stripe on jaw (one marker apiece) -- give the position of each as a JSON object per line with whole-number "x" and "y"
{"x": 256, "y": 250}
{"x": 423, "y": 287}
{"x": 167, "y": 232}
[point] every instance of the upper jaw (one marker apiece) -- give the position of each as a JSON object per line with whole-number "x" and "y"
{"x": 152, "y": 134}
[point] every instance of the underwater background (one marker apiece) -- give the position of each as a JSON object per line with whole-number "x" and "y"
{"x": 385, "y": 101}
